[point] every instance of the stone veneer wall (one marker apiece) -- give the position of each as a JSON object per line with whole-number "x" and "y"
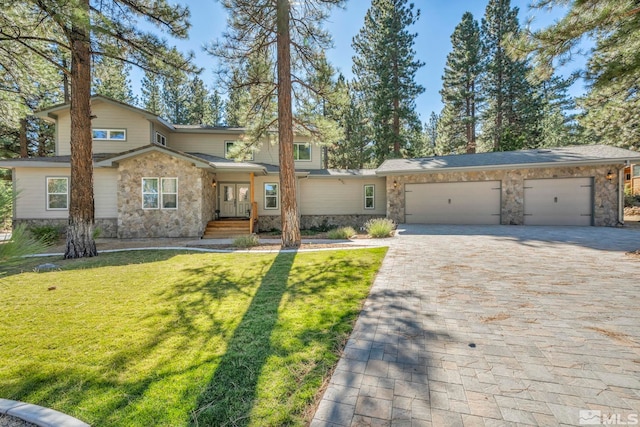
{"x": 108, "y": 227}
{"x": 135, "y": 222}
{"x": 606, "y": 203}
{"x": 268, "y": 223}
{"x": 208, "y": 198}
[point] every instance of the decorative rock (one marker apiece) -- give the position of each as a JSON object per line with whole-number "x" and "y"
{"x": 46, "y": 267}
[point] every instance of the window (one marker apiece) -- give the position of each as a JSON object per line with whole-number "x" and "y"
{"x": 159, "y": 193}
{"x": 57, "y": 193}
{"x": 636, "y": 170}
{"x": 270, "y": 196}
{"x": 302, "y": 151}
{"x": 150, "y": 193}
{"x": 169, "y": 193}
{"x": 369, "y": 196}
{"x": 110, "y": 134}
{"x": 161, "y": 139}
{"x": 229, "y": 154}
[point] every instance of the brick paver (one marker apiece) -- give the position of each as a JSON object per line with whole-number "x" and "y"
{"x": 494, "y": 326}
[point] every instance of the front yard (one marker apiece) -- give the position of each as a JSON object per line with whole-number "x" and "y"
{"x": 171, "y": 338}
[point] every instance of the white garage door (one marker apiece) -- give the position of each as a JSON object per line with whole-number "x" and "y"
{"x": 453, "y": 203}
{"x": 564, "y": 201}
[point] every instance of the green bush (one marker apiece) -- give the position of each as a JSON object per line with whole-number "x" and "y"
{"x": 21, "y": 243}
{"x": 630, "y": 200}
{"x": 48, "y": 234}
{"x": 341, "y": 233}
{"x": 6, "y": 204}
{"x": 379, "y": 227}
{"x": 246, "y": 241}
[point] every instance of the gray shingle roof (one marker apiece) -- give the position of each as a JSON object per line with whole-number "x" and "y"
{"x": 338, "y": 173}
{"x": 579, "y": 154}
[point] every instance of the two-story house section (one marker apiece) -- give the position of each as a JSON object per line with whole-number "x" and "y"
{"x": 156, "y": 179}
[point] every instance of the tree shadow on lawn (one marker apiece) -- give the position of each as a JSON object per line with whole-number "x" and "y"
{"x": 231, "y": 394}
{"x": 29, "y": 265}
{"x": 191, "y": 327}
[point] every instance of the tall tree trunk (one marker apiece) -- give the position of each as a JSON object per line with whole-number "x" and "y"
{"x": 288, "y": 202}
{"x": 23, "y": 138}
{"x": 80, "y": 242}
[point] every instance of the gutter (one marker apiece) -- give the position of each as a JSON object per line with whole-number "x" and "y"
{"x": 507, "y": 166}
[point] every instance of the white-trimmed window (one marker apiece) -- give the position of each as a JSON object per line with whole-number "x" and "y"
{"x": 302, "y": 151}
{"x": 109, "y": 134}
{"x": 169, "y": 193}
{"x": 150, "y": 193}
{"x": 271, "y": 195}
{"x": 57, "y": 193}
{"x": 161, "y": 139}
{"x": 228, "y": 150}
{"x": 370, "y": 196}
{"x": 159, "y": 193}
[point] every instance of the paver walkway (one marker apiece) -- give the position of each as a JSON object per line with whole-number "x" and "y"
{"x": 495, "y": 326}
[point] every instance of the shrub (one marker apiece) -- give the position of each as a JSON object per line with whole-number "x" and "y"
{"x": 248, "y": 241}
{"x": 48, "y": 234}
{"x": 379, "y": 227}
{"x": 630, "y": 200}
{"x": 341, "y": 233}
{"x": 21, "y": 243}
{"x": 6, "y": 203}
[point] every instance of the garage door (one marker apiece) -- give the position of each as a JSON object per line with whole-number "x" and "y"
{"x": 453, "y": 203}
{"x": 564, "y": 201}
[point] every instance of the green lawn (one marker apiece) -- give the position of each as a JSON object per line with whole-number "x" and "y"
{"x": 154, "y": 338}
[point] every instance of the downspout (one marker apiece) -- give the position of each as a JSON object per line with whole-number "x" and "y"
{"x": 621, "y": 193}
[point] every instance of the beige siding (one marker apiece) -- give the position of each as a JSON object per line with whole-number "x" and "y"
{"x": 343, "y": 196}
{"x": 108, "y": 116}
{"x": 31, "y": 185}
{"x": 105, "y": 187}
{"x": 213, "y": 144}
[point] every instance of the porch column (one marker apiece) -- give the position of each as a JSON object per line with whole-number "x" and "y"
{"x": 254, "y": 205}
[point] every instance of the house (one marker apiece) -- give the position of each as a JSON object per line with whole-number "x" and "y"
{"x": 578, "y": 185}
{"x": 156, "y": 179}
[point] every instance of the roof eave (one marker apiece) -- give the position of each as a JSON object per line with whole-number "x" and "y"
{"x": 591, "y": 162}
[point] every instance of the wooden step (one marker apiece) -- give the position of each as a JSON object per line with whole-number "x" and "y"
{"x": 226, "y": 229}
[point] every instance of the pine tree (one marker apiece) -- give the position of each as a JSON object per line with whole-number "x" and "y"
{"x": 354, "y": 150}
{"x": 216, "y": 109}
{"x": 385, "y": 67}
{"x": 197, "y": 102}
{"x": 283, "y": 40}
{"x": 111, "y": 79}
{"x": 460, "y": 89}
{"x": 431, "y": 135}
{"x": 151, "y": 92}
{"x": 80, "y": 30}
{"x": 512, "y": 111}
{"x": 174, "y": 95}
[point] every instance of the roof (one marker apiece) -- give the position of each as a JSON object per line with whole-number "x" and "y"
{"x": 341, "y": 173}
{"x": 562, "y": 156}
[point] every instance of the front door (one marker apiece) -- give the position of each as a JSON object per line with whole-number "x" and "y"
{"x": 234, "y": 200}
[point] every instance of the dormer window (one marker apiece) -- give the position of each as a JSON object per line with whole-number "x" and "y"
{"x": 161, "y": 139}
{"x": 109, "y": 134}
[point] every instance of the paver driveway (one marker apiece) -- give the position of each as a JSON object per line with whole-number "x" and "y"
{"x": 492, "y": 326}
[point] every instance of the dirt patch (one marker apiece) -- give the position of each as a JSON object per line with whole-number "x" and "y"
{"x": 618, "y": 336}
{"x": 495, "y": 318}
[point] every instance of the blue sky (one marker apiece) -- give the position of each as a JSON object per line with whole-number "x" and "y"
{"x": 437, "y": 21}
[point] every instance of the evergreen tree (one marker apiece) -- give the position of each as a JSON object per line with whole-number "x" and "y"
{"x": 216, "y": 109}
{"x": 512, "y": 111}
{"x": 460, "y": 90}
{"x": 431, "y": 135}
{"x": 557, "y": 124}
{"x": 385, "y": 67}
{"x": 238, "y": 98}
{"x": 111, "y": 79}
{"x": 82, "y": 29}
{"x": 197, "y": 102}
{"x": 283, "y": 39}
{"x": 151, "y": 92}
{"x": 354, "y": 150}
{"x": 175, "y": 93}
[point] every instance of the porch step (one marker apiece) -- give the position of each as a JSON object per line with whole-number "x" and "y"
{"x": 226, "y": 228}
